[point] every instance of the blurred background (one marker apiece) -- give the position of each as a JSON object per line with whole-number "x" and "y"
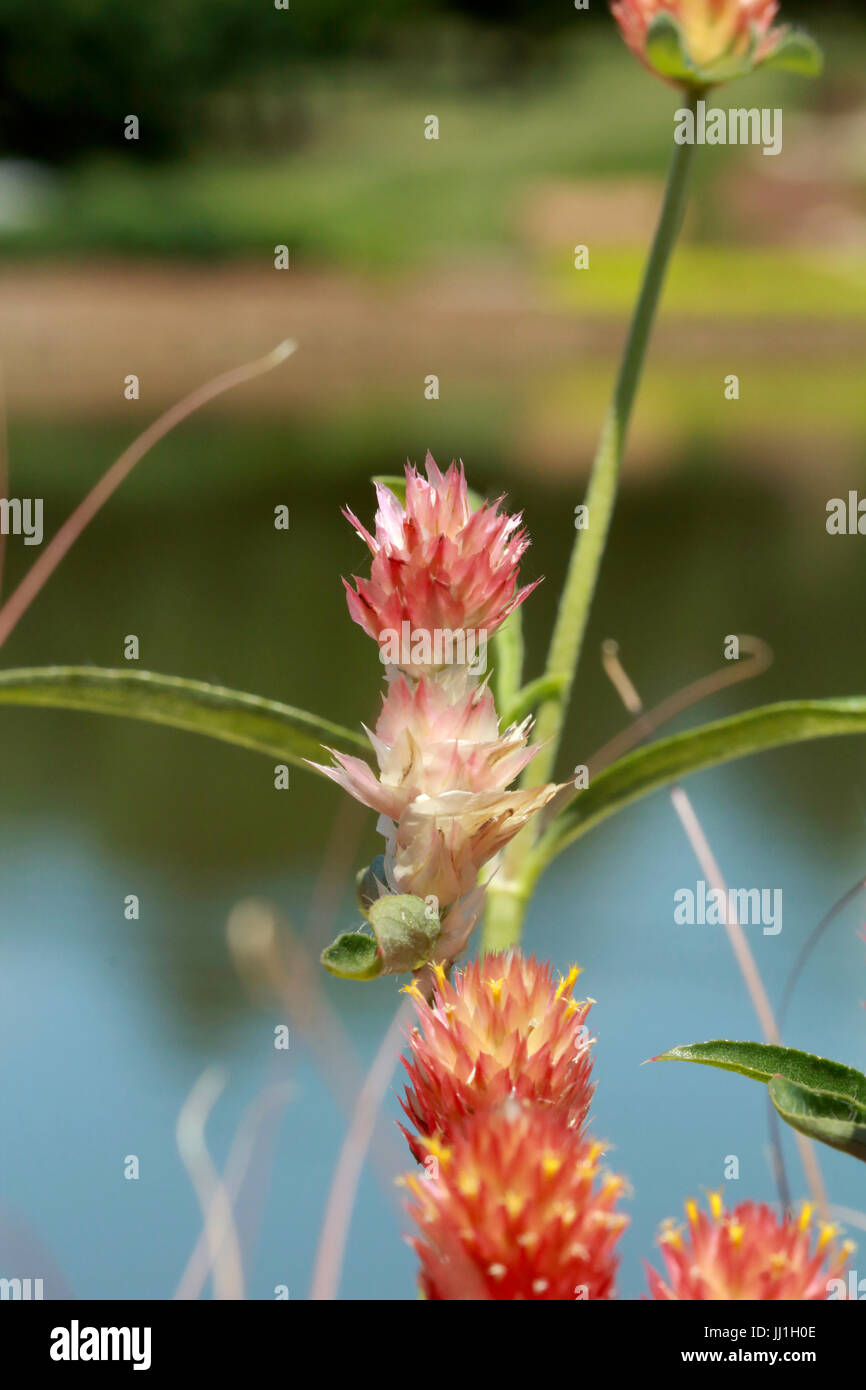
{"x": 261, "y": 127}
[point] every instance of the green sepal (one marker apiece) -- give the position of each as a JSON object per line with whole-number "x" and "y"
{"x": 666, "y": 51}
{"x": 406, "y": 929}
{"x": 353, "y": 956}
{"x": 796, "y": 52}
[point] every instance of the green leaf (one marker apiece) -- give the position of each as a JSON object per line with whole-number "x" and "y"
{"x": 666, "y": 760}
{"x": 353, "y": 956}
{"x": 762, "y": 1061}
{"x": 833, "y": 1119}
{"x": 266, "y": 726}
{"x": 796, "y": 52}
{"x": 666, "y": 50}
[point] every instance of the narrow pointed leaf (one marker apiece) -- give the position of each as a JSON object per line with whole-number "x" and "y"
{"x": 232, "y": 716}
{"x": 832, "y": 1119}
{"x": 663, "y": 762}
{"x": 763, "y": 1061}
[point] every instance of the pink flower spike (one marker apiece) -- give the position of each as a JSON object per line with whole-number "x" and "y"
{"x": 438, "y": 568}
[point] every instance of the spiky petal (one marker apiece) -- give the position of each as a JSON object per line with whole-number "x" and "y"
{"x": 502, "y": 1028}
{"x": 440, "y": 843}
{"x": 437, "y": 565}
{"x": 427, "y": 741}
{"x": 748, "y": 1253}
{"x": 515, "y": 1208}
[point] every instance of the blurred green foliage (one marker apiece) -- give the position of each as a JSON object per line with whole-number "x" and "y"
{"x": 68, "y": 76}
{"x": 71, "y": 72}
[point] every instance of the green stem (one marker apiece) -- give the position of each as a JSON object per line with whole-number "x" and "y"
{"x": 507, "y": 901}
{"x": 506, "y": 908}
{"x": 589, "y": 545}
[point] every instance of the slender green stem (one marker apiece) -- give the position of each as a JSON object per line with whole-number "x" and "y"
{"x": 506, "y": 908}
{"x": 508, "y": 899}
{"x": 589, "y": 544}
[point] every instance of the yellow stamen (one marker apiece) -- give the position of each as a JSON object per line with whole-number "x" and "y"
{"x": 470, "y": 1185}
{"x": 567, "y": 982}
{"x": 514, "y": 1203}
{"x": 826, "y": 1233}
{"x": 805, "y": 1215}
{"x": 671, "y": 1235}
{"x": 437, "y": 1149}
{"x": 716, "y": 1205}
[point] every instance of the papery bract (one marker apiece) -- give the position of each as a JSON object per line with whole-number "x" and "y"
{"x": 428, "y": 742}
{"x": 440, "y": 843}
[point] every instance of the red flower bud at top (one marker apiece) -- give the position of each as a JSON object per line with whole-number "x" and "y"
{"x": 438, "y": 566}
{"x": 696, "y": 43}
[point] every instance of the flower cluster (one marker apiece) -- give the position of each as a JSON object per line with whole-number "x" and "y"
{"x": 437, "y": 564}
{"x": 513, "y": 1202}
{"x": 697, "y": 43}
{"x": 748, "y": 1253}
{"x": 517, "y": 1209}
{"x": 444, "y": 577}
{"x": 502, "y": 1028}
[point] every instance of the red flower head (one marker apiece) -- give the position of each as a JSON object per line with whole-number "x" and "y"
{"x": 437, "y": 565}
{"x": 516, "y": 1208}
{"x": 502, "y": 1029}
{"x": 748, "y": 1253}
